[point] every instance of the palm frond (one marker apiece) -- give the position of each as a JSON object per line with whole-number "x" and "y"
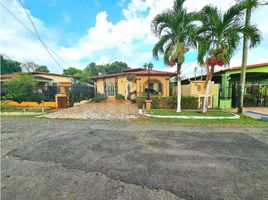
{"x": 213, "y": 14}
{"x": 159, "y": 46}
{"x": 253, "y": 34}
{"x": 178, "y": 5}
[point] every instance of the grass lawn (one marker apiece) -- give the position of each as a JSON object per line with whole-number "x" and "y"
{"x": 5, "y": 108}
{"x": 172, "y": 112}
{"x": 243, "y": 121}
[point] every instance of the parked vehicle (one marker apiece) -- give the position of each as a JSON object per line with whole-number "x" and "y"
{"x": 152, "y": 91}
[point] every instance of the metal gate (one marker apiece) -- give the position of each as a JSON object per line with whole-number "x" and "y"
{"x": 255, "y": 95}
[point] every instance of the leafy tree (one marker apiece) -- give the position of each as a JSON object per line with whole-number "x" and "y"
{"x": 110, "y": 68}
{"x": 42, "y": 68}
{"x": 220, "y": 35}
{"x": 93, "y": 69}
{"x": 176, "y": 31}
{"x": 115, "y": 67}
{"x": 245, "y": 55}
{"x": 20, "y": 88}
{"x": 82, "y": 75}
{"x": 29, "y": 67}
{"x": 9, "y": 66}
{"x": 71, "y": 71}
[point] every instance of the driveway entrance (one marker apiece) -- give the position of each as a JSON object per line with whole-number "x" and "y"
{"x": 104, "y": 110}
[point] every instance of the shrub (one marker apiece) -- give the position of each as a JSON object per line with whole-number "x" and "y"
{"x": 38, "y": 97}
{"x": 187, "y": 102}
{"x": 120, "y": 97}
{"x": 99, "y": 97}
{"x": 140, "y": 101}
{"x": 20, "y": 88}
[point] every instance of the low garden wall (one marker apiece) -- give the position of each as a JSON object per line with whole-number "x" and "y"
{"x": 187, "y": 102}
{"x": 50, "y": 104}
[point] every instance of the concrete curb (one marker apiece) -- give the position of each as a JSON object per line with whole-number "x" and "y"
{"x": 20, "y": 113}
{"x": 187, "y": 117}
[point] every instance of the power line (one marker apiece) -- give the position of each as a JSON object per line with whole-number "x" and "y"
{"x": 38, "y": 36}
{"x": 32, "y": 33}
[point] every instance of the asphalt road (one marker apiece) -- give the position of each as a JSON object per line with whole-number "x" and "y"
{"x": 75, "y": 159}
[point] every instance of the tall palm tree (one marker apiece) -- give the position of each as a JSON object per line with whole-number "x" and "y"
{"x": 245, "y": 56}
{"x": 219, "y": 37}
{"x": 176, "y": 30}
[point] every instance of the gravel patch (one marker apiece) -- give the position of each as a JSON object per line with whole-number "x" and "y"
{"x": 103, "y": 110}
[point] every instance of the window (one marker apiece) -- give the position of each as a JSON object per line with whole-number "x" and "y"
{"x": 155, "y": 87}
{"x": 110, "y": 89}
{"x": 198, "y": 88}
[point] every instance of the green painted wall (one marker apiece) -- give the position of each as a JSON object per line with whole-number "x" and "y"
{"x": 216, "y": 97}
{"x": 225, "y": 104}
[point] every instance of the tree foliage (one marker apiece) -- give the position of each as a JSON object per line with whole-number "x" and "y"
{"x": 115, "y": 67}
{"x": 71, "y": 71}
{"x": 42, "y": 68}
{"x": 20, "y": 88}
{"x": 9, "y": 66}
{"x": 176, "y": 31}
{"x": 110, "y": 68}
{"x": 224, "y": 30}
{"x": 29, "y": 67}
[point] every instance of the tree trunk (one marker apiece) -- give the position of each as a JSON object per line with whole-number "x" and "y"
{"x": 178, "y": 87}
{"x": 207, "y": 86}
{"x": 244, "y": 64}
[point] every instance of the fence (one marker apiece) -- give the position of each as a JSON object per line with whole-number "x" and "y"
{"x": 78, "y": 93}
{"x": 255, "y": 94}
{"x": 38, "y": 94}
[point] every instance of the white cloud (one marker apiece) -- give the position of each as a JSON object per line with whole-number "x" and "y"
{"x": 18, "y": 43}
{"x": 129, "y": 40}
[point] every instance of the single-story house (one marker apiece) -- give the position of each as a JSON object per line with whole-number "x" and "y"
{"x": 54, "y": 86}
{"x": 133, "y": 82}
{"x": 43, "y": 78}
{"x": 256, "y": 90}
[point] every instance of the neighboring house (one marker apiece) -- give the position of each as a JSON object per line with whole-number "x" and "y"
{"x": 44, "y": 79}
{"x": 197, "y": 89}
{"x": 54, "y": 86}
{"x": 256, "y": 90}
{"x": 133, "y": 82}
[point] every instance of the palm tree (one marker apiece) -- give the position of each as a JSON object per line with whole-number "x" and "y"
{"x": 219, "y": 37}
{"x": 176, "y": 30}
{"x": 245, "y": 56}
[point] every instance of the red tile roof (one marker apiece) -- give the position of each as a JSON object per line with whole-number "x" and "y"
{"x": 137, "y": 71}
{"x": 152, "y": 72}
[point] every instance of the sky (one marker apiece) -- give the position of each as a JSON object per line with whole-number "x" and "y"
{"x": 102, "y": 31}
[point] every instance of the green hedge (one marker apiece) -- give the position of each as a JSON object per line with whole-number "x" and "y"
{"x": 120, "y": 97}
{"x": 99, "y": 97}
{"x": 187, "y": 102}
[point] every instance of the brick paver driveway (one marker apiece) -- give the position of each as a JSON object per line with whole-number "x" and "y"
{"x": 103, "y": 110}
{"x": 121, "y": 160}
